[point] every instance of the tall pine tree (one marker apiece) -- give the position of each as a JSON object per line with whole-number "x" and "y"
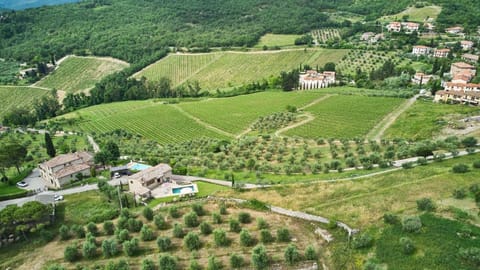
{"x": 49, "y": 145}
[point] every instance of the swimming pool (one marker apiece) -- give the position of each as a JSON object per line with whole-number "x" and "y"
{"x": 139, "y": 167}
{"x": 183, "y": 190}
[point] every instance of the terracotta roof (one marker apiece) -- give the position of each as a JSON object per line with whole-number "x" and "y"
{"x": 67, "y": 158}
{"x": 470, "y": 56}
{"x": 459, "y": 93}
{"x": 152, "y": 172}
{"x": 464, "y": 85}
{"x": 71, "y": 170}
{"x": 466, "y": 42}
{"x": 463, "y": 65}
{"x": 442, "y": 50}
{"x": 421, "y": 47}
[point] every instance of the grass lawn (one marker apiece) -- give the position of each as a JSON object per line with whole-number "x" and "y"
{"x": 361, "y": 203}
{"x": 271, "y": 40}
{"x": 425, "y": 119}
{"x": 416, "y": 14}
{"x": 84, "y": 207}
{"x": 438, "y": 245}
{"x": 8, "y": 191}
{"x": 76, "y": 73}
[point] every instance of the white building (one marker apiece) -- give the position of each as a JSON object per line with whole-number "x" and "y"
{"x": 314, "y": 80}
{"x": 441, "y": 53}
{"x": 62, "y": 169}
{"x": 410, "y": 27}
{"x": 454, "y": 30}
{"x": 466, "y": 45}
{"x": 394, "y": 27}
{"x": 470, "y": 57}
{"x": 421, "y": 78}
{"x": 421, "y": 50}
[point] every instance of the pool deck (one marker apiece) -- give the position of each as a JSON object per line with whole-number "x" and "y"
{"x": 166, "y": 189}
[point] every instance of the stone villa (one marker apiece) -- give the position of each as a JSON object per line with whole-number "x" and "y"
{"x": 421, "y": 78}
{"x": 441, "y": 53}
{"x": 62, "y": 169}
{"x": 142, "y": 183}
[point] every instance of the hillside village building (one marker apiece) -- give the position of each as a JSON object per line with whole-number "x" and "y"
{"x": 315, "y": 80}
{"x": 441, "y": 53}
{"x": 454, "y": 30}
{"x": 462, "y": 68}
{"x": 394, "y": 27}
{"x": 466, "y": 45}
{"x": 410, "y": 27}
{"x": 62, "y": 169}
{"x": 421, "y": 50}
{"x": 421, "y": 78}
{"x": 142, "y": 183}
{"x": 470, "y": 57}
{"x": 459, "y": 90}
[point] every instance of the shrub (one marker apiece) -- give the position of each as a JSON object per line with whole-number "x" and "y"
{"x": 71, "y": 253}
{"x": 167, "y": 262}
{"x": 236, "y": 261}
{"x": 265, "y": 236}
{"x": 476, "y": 164}
{"x": 422, "y": 161}
{"x": 471, "y": 255}
{"x": 125, "y": 213}
{"x": 123, "y": 235}
{"x": 205, "y": 228}
{"x": 425, "y": 204}
{"x": 213, "y": 264}
{"x": 390, "y": 218}
{"x": 220, "y": 237}
{"x": 122, "y": 223}
{"x": 332, "y": 224}
{"x": 108, "y": 227}
{"x": 223, "y": 209}
{"x": 146, "y": 234}
{"x": 474, "y": 188}
{"x": 121, "y": 265}
{"x": 64, "y": 232}
{"x": 173, "y": 212}
{"x": 56, "y": 267}
{"x": 131, "y": 247}
{"x": 148, "y": 213}
{"x": 244, "y": 217}
{"x": 460, "y": 168}
{"x": 363, "y": 240}
{"x": 411, "y": 224}
{"x": 216, "y": 218}
{"x": 109, "y": 248}
{"x": 469, "y": 142}
{"x": 311, "y": 253}
{"x": 78, "y": 230}
{"x": 234, "y": 225}
{"x": 178, "y": 231}
{"x": 92, "y": 228}
{"x": 89, "y": 250}
{"x": 160, "y": 222}
{"x": 261, "y": 224}
{"x": 164, "y": 243}
{"x": 407, "y": 165}
{"x": 291, "y": 254}
{"x": 259, "y": 257}
{"x": 407, "y": 245}
{"x": 245, "y": 238}
{"x": 191, "y": 241}
{"x": 283, "y": 235}
{"x": 148, "y": 264}
{"x": 459, "y": 193}
{"x": 194, "y": 265}
{"x": 198, "y": 209}
{"x": 190, "y": 220}
{"x": 134, "y": 225}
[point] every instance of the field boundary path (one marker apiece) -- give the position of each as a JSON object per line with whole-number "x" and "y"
{"x": 316, "y": 101}
{"x": 294, "y": 214}
{"x": 202, "y": 123}
{"x": 377, "y": 132}
{"x": 94, "y": 145}
{"x": 309, "y": 118}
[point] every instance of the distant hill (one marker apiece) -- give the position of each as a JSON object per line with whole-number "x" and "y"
{"x": 24, "y": 4}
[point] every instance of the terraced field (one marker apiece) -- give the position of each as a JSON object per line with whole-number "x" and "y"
{"x": 270, "y": 40}
{"x": 155, "y": 121}
{"x": 18, "y": 96}
{"x": 236, "y": 114}
{"x": 226, "y": 69}
{"x": 345, "y": 116}
{"x": 76, "y": 74}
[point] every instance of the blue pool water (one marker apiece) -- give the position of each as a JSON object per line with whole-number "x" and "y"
{"x": 178, "y": 190}
{"x": 139, "y": 167}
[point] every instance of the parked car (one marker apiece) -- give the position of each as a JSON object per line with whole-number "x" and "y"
{"x": 22, "y": 184}
{"x": 57, "y": 197}
{"x": 117, "y": 175}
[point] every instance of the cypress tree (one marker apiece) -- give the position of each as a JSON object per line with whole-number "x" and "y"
{"x": 49, "y": 145}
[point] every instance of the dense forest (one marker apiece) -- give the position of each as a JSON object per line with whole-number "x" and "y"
{"x": 134, "y": 30}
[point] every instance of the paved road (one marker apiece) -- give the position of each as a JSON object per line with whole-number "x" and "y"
{"x": 34, "y": 181}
